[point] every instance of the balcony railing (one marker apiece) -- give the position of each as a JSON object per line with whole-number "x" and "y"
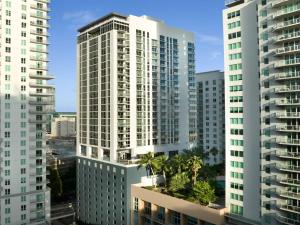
{"x": 285, "y": 12}
{"x": 284, "y": 102}
{"x": 290, "y": 62}
{"x": 288, "y": 115}
{"x": 285, "y": 24}
{"x": 230, "y": 3}
{"x": 289, "y": 155}
{"x": 41, "y": 77}
{"x": 288, "y": 168}
{"x": 286, "y": 220}
{"x": 288, "y": 181}
{"x": 290, "y": 208}
{"x": 289, "y": 194}
{"x": 283, "y": 76}
{"x": 287, "y": 36}
{"x": 292, "y": 128}
{"x": 289, "y": 49}
{"x": 288, "y": 89}
{"x": 287, "y": 141}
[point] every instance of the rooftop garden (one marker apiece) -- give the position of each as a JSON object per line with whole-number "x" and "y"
{"x": 185, "y": 176}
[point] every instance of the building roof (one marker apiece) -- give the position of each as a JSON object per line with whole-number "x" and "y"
{"x": 101, "y": 19}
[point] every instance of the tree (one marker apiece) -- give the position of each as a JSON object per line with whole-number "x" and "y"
{"x": 148, "y": 161}
{"x": 161, "y": 163}
{"x": 204, "y": 193}
{"x": 179, "y": 182}
{"x": 55, "y": 183}
{"x": 177, "y": 164}
{"x": 194, "y": 163}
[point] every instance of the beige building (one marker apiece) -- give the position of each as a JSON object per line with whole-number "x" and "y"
{"x": 153, "y": 208}
{"x": 63, "y": 125}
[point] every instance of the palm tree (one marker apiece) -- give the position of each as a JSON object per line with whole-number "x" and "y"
{"x": 148, "y": 161}
{"x": 161, "y": 162}
{"x": 178, "y": 164}
{"x": 194, "y": 163}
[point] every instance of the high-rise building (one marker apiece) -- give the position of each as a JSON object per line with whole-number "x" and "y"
{"x": 26, "y": 99}
{"x": 211, "y": 115}
{"x": 264, "y": 35}
{"x": 279, "y": 36}
{"x": 242, "y": 110}
{"x": 136, "y": 82}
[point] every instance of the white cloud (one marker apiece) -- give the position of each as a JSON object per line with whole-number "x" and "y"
{"x": 209, "y": 39}
{"x": 79, "y": 18}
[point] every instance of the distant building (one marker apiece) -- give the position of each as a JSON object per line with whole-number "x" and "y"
{"x": 63, "y": 125}
{"x": 211, "y": 115}
{"x": 136, "y": 82}
{"x": 152, "y": 207}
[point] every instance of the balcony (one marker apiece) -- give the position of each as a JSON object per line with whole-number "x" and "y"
{"x": 286, "y": 220}
{"x": 285, "y": 102}
{"x": 39, "y": 24}
{"x": 293, "y": 88}
{"x": 287, "y": 76}
{"x": 289, "y": 194}
{"x": 40, "y": 42}
{"x": 288, "y": 168}
{"x": 42, "y": 59}
{"x": 287, "y": 155}
{"x": 288, "y": 115}
{"x": 36, "y": 85}
{"x": 284, "y": 63}
{"x": 48, "y": 92}
{"x": 288, "y": 37}
{"x": 41, "y": 77}
{"x": 45, "y": 9}
{"x": 278, "y": 3}
{"x": 288, "y": 181}
{"x": 286, "y": 24}
{"x": 38, "y": 121}
{"x": 45, "y": 110}
{"x": 290, "y": 208}
{"x": 288, "y": 128}
{"x": 287, "y": 141}
{"x": 231, "y": 3}
{"x": 38, "y": 67}
{"x": 40, "y": 16}
{"x": 42, "y": 102}
{"x": 281, "y": 13}
{"x": 288, "y": 50}
{"x": 39, "y": 50}
{"x": 39, "y": 33}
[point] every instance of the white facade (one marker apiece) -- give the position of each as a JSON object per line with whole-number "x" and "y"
{"x": 242, "y": 110}
{"x": 136, "y": 93}
{"x": 25, "y": 101}
{"x": 145, "y": 103}
{"x": 64, "y": 125}
{"x": 211, "y": 115}
{"x": 280, "y": 80}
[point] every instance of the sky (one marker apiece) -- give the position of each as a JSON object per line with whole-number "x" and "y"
{"x": 202, "y": 17}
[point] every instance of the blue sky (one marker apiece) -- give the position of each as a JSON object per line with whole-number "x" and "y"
{"x": 203, "y": 17}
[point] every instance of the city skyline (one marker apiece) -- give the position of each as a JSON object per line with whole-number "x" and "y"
{"x": 66, "y": 19}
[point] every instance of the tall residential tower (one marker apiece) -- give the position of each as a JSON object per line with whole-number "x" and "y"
{"x": 136, "y": 93}
{"x": 279, "y": 38}
{"x": 25, "y": 100}
{"x": 242, "y": 110}
{"x": 211, "y": 115}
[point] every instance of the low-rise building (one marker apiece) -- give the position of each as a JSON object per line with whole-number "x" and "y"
{"x": 152, "y": 207}
{"x": 63, "y": 125}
